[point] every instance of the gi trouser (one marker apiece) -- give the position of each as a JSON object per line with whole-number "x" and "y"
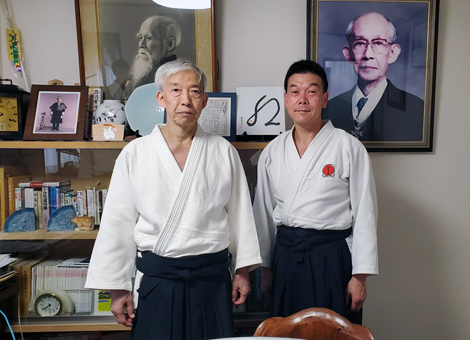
{"x": 186, "y": 298}
{"x": 311, "y": 268}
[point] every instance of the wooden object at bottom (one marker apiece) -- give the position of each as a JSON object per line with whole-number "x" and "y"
{"x": 313, "y": 324}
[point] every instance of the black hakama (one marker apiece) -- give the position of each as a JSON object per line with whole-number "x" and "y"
{"x": 187, "y": 298}
{"x": 311, "y": 268}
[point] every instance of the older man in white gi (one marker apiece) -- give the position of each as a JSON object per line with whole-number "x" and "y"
{"x": 315, "y": 207}
{"x": 179, "y": 201}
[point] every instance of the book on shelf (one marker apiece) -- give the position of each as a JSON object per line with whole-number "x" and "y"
{"x": 102, "y": 302}
{"x": 90, "y": 197}
{"x": 40, "y": 184}
{"x": 26, "y": 277}
{"x": 75, "y": 262}
{"x": 68, "y": 275}
{"x": 53, "y": 203}
{"x": 80, "y": 199}
{"x": 18, "y": 279}
{"x": 18, "y": 199}
{"x": 46, "y": 208}
{"x": 38, "y": 209}
{"x": 30, "y": 184}
{"x": 5, "y": 172}
{"x": 13, "y": 182}
{"x": 28, "y": 197}
{"x": 47, "y": 199}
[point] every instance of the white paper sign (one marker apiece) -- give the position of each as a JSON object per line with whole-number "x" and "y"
{"x": 260, "y": 110}
{"x": 215, "y": 118}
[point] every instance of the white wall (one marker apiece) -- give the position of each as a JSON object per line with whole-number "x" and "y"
{"x": 422, "y": 290}
{"x": 49, "y": 41}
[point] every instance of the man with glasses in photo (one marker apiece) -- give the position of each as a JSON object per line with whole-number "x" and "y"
{"x": 374, "y": 109}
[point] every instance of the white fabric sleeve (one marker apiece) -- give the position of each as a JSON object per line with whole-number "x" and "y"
{"x": 263, "y": 208}
{"x": 113, "y": 258}
{"x": 244, "y": 245}
{"x": 364, "y": 208}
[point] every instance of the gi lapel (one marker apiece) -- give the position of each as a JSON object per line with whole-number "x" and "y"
{"x": 179, "y": 201}
{"x": 307, "y": 159}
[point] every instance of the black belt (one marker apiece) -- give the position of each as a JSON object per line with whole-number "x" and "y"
{"x": 301, "y": 240}
{"x": 155, "y": 267}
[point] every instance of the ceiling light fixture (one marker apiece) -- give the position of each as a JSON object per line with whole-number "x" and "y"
{"x": 185, "y": 4}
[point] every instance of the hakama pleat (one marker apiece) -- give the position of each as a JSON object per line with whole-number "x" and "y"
{"x": 187, "y": 298}
{"x": 311, "y": 268}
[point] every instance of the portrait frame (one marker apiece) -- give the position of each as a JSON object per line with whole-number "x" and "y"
{"x": 227, "y": 105}
{"x": 39, "y": 117}
{"x": 90, "y": 39}
{"x": 413, "y": 72}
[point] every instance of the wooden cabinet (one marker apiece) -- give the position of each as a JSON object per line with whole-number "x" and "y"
{"x": 82, "y": 174}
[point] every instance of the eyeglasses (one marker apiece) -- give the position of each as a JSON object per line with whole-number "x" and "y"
{"x": 378, "y": 45}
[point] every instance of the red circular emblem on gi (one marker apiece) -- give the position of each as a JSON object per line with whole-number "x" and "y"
{"x": 328, "y": 170}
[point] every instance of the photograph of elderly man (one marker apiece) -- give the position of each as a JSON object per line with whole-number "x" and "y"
{"x": 158, "y": 37}
{"x": 375, "y": 109}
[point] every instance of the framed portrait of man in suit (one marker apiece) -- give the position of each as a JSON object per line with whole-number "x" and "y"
{"x": 379, "y": 57}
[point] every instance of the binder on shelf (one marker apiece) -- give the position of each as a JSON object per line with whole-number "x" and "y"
{"x": 26, "y": 278}
{"x": 13, "y": 183}
{"x": 5, "y": 172}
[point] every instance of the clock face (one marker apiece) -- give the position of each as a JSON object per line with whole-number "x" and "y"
{"x": 9, "y": 114}
{"x": 48, "y": 305}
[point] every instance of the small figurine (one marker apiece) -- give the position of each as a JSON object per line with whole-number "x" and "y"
{"x": 84, "y": 223}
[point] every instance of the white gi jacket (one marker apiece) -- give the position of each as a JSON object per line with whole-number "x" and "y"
{"x": 154, "y": 206}
{"x": 330, "y": 188}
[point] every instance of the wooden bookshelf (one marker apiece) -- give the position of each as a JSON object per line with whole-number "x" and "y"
{"x": 249, "y": 145}
{"x": 108, "y": 323}
{"x": 82, "y": 242}
{"x": 41, "y": 234}
{"x": 61, "y": 145}
{"x": 69, "y": 324}
{"x": 97, "y": 145}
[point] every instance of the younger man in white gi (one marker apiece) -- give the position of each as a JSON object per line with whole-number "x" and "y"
{"x": 315, "y": 207}
{"x": 179, "y": 201}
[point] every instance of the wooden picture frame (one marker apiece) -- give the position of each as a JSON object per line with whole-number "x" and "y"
{"x": 403, "y": 117}
{"x": 107, "y": 32}
{"x": 44, "y": 113}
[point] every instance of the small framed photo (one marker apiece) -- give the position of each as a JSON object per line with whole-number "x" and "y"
{"x": 220, "y": 114}
{"x": 56, "y": 113}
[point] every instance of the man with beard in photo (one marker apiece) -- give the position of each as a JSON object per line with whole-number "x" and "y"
{"x": 158, "y": 38}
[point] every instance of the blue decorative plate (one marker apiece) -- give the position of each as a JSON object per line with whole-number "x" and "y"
{"x": 143, "y": 111}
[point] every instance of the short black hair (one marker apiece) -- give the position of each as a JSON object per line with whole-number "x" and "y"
{"x": 306, "y": 66}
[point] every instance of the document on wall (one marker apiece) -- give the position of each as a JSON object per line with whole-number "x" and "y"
{"x": 216, "y": 116}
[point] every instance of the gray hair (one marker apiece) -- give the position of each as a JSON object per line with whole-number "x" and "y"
{"x": 349, "y": 29}
{"x": 171, "y": 68}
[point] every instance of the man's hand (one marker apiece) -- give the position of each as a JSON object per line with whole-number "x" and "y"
{"x": 266, "y": 282}
{"x": 356, "y": 292}
{"x": 122, "y": 306}
{"x": 240, "y": 285}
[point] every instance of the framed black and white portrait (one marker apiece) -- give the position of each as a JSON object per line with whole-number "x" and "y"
{"x": 379, "y": 57}
{"x": 124, "y": 42}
